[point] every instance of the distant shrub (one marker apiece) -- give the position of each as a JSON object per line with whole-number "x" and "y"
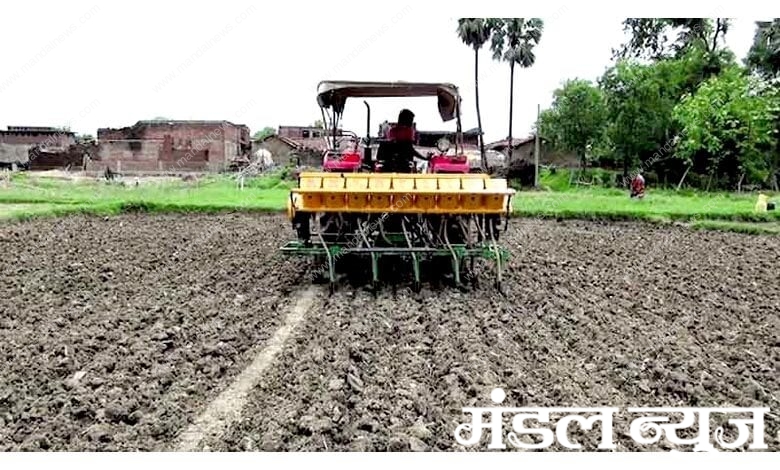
{"x": 556, "y": 179}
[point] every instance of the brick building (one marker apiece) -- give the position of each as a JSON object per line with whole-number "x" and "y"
{"x": 302, "y": 144}
{"x": 19, "y": 145}
{"x": 171, "y": 146}
{"x": 300, "y": 132}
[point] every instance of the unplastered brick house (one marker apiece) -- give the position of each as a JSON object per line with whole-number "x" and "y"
{"x": 172, "y": 146}
{"x": 300, "y": 144}
{"x": 17, "y": 143}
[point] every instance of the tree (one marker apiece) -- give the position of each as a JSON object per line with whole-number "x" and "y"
{"x": 475, "y": 32}
{"x": 729, "y": 128}
{"x": 577, "y": 118}
{"x": 647, "y": 39}
{"x": 639, "y": 101}
{"x": 513, "y": 41}
{"x": 263, "y": 133}
{"x": 764, "y": 60}
{"x": 650, "y": 38}
{"x": 764, "y": 54}
{"x": 318, "y": 124}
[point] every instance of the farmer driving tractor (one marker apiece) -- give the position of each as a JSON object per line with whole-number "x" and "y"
{"x": 397, "y": 153}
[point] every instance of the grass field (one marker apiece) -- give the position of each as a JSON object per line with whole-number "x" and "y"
{"x": 28, "y": 195}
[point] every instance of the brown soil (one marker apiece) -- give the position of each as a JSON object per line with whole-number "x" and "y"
{"x": 115, "y": 333}
{"x": 596, "y": 315}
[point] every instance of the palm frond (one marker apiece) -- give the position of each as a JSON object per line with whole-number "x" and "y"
{"x": 474, "y": 32}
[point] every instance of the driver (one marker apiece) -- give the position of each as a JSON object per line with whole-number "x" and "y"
{"x": 403, "y": 134}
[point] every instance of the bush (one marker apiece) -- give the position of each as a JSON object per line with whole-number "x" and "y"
{"x": 557, "y": 179}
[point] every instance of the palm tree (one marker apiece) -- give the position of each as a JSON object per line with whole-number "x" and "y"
{"x": 513, "y": 41}
{"x": 475, "y": 32}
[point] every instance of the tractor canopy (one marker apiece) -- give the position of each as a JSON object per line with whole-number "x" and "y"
{"x": 334, "y": 94}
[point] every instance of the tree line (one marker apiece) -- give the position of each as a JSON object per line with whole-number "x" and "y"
{"x": 675, "y": 103}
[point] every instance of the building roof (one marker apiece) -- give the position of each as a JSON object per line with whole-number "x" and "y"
{"x": 309, "y": 143}
{"x": 140, "y": 125}
{"x": 516, "y": 142}
{"x": 34, "y": 130}
{"x": 194, "y": 122}
{"x": 299, "y": 127}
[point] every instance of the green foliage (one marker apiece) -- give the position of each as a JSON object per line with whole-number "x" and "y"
{"x": 474, "y": 32}
{"x": 639, "y": 102}
{"x": 597, "y": 177}
{"x": 663, "y": 38}
{"x": 263, "y": 133}
{"x": 289, "y": 172}
{"x": 640, "y": 99}
{"x": 265, "y": 182}
{"x": 514, "y": 39}
{"x": 577, "y": 119}
{"x": 729, "y": 127}
{"x": 555, "y": 179}
{"x": 765, "y": 228}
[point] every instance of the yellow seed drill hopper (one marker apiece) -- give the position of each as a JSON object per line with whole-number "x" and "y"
{"x": 386, "y": 210}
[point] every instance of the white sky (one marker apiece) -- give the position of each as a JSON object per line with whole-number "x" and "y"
{"x": 91, "y": 64}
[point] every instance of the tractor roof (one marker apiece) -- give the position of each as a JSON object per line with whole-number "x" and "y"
{"x": 335, "y": 93}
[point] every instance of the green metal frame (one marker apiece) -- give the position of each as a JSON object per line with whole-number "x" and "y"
{"x": 336, "y": 250}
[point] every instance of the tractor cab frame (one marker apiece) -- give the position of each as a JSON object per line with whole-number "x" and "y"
{"x": 383, "y": 153}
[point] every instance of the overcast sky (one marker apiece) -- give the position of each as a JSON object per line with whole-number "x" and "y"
{"x": 109, "y": 64}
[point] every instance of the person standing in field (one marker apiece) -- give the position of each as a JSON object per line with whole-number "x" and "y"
{"x": 638, "y": 186}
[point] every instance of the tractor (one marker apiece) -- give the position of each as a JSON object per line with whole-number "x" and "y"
{"x": 372, "y": 207}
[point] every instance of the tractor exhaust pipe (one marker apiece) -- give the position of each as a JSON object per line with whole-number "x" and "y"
{"x": 367, "y": 157}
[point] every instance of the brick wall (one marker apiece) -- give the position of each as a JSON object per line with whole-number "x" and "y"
{"x": 44, "y": 139}
{"x": 72, "y": 157}
{"x": 176, "y": 145}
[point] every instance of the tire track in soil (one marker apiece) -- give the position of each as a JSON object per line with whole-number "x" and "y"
{"x": 226, "y": 408}
{"x": 596, "y": 315}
